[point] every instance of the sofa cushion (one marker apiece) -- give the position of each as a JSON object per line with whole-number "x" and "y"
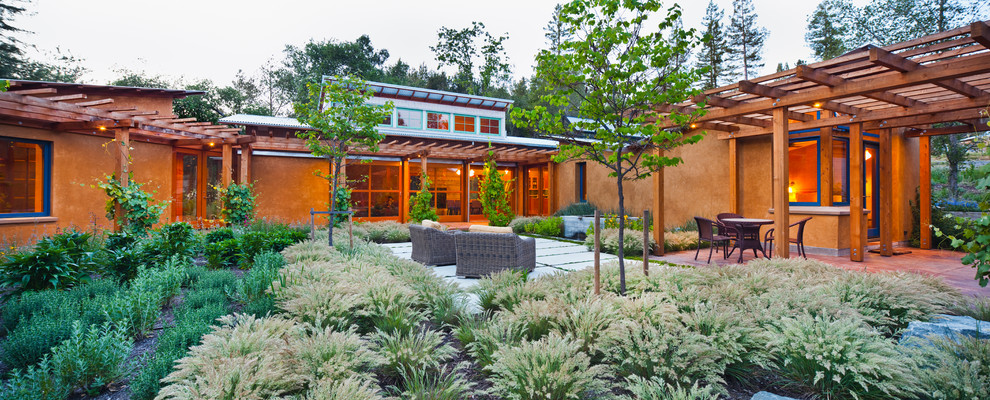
{"x": 490, "y": 229}
{"x": 433, "y": 224}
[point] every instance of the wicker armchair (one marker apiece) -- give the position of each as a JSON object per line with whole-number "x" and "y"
{"x": 432, "y": 246}
{"x": 480, "y": 254}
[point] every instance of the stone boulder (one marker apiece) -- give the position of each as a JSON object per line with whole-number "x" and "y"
{"x": 769, "y": 396}
{"x": 575, "y": 226}
{"x": 945, "y": 326}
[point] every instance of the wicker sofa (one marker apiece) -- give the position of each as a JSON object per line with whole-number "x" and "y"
{"x": 480, "y": 254}
{"x": 432, "y": 246}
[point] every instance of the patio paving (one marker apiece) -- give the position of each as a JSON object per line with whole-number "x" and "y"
{"x": 941, "y": 263}
{"x": 552, "y": 257}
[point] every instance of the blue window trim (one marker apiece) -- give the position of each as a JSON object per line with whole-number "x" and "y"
{"x": 422, "y": 121}
{"x": 493, "y": 118}
{"x": 581, "y": 174}
{"x": 46, "y": 163}
{"x": 453, "y": 126}
{"x": 847, "y": 180}
{"x": 391, "y": 121}
{"x": 426, "y": 121}
{"x": 818, "y": 171}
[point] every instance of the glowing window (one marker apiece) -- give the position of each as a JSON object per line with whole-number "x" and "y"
{"x": 803, "y": 166}
{"x": 490, "y": 126}
{"x": 463, "y": 124}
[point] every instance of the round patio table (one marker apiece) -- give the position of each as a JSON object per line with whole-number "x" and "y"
{"x": 748, "y": 234}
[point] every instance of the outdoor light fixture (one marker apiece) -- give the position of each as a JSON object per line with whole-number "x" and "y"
{"x": 103, "y": 128}
{"x": 694, "y": 126}
{"x": 817, "y": 105}
{"x": 212, "y": 144}
{"x": 867, "y": 156}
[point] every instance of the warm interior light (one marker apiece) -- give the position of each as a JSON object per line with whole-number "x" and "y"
{"x": 103, "y": 128}
{"x": 470, "y": 173}
{"x": 790, "y": 189}
{"x": 212, "y": 144}
{"x": 818, "y": 105}
{"x": 506, "y": 172}
{"x": 458, "y": 172}
{"x": 694, "y": 126}
{"x": 868, "y": 155}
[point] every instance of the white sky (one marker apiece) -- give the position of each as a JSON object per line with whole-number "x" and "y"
{"x": 214, "y": 38}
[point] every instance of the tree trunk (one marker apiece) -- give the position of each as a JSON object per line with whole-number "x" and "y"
{"x": 334, "y": 170}
{"x": 622, "y": 229}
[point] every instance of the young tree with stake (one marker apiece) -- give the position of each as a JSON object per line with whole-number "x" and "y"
{"x": 613, "y": 73}
{"x": 341, "y": 118}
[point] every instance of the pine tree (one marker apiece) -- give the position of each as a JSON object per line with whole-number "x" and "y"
{"x": 746, "y": 38}
{"x": 10, "y": 46}
{"x": 555, "y": 31}
{"x": 828, "y": 29}
{"x": 711, "y": 56}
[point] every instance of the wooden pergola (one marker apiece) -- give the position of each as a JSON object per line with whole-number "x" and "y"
{"x": 907, "y": 86}
{"x": 61, "y": 107}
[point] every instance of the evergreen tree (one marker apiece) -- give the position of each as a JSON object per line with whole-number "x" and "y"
{"x": 828, "y": 29}
{"x": 10, "y": 46}
{"x": 746, "y": 38}
{"x": 711, "y": 56}
{"x": 555, "y": 32}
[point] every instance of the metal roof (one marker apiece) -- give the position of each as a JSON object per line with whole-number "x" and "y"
{"x": 436, "y": 96}
{"x": 20, "y": 84}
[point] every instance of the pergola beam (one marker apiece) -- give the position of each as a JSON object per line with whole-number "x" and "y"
{"x": 821, "y": 77}
{"x": 776, "y": 93}
{"x": 980, "y": 32}
{"x": 947, "y": 130}
{"x": 726, "y": 103}
{"x": 100, "y": 124}
{"x": 895, "y": 62}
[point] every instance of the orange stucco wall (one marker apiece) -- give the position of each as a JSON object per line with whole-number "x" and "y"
{"x": 287, "y": 188}
{"x": 78, "y": 163}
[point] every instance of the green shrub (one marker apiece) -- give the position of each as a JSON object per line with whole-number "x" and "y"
{"x": 518, "y": 224}
{"x": 273, "y": 240}
{"x": 141, "y": 304}
{"x": 421, "y": 205}
{"x": 219, "y": 235}
{"x": 93, "y": 357}
{"x": 552, "y": 226}
{"x": 418, "y": 351}
{"x": 258, "y": 281}
{"x": 552, "y": 368}
{"x": 224, "y": 281}
{"x": 494, "y": 193}
{"x": 633, "y": 242}
{"x": 57, "y": 262}
{"x": 445, "y": 384}
{"x": 238, "y": 203}
{"x": 223, "y": 254}
{"x": 38, "y": 382}
{"x": 146, "y": 384}
{"x": 579, "y": 209}
{"x": 657, "y": 389}
{"x": 668, "y": 351}
{"x": 175, "y": 239}
{"x": 838, "y": 358}
{"x": 953, "y": 369}
{"x": 31, "y": 341}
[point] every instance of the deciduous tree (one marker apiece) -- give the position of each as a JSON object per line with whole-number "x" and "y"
{"x": 341, "y": 118}
{"x": 463, "y": 48}
{"x": 617, "y": 69}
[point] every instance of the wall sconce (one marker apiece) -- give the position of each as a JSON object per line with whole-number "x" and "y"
{"x": 867, "y": 155}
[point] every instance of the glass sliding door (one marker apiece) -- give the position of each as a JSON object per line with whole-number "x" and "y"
{"x": 871, "y": 189}
{"x": 536, "y": 188}
{"x": 196, "y": 180}
{"x": 445, "y": 186}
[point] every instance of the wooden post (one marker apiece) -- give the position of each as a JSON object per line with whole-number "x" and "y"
{"x": 227, "y": 164}
{"x": 646, "y": 243}
{"x": 598, "y": 252}
{"x": 466, "y": 190}
{"x": 422, "y": 163}
{"x": 404, "y": 192}
{"x": 122, "y": 138}
{"x": 781, "y": 202}
{"x": 925, "y": 191}
{"x": 520, "y": 188}
{"x": 857, "y": 224}
{"x": 885, "y": 158}
{"x": 350, "y": 230}
{"x": 245, "y": 164}
{"x": 658, "y": 224}
{"x": 551, "y": 188}
{"x": 825, "y": 160}
{"x": 312, "y": 225}
{"x": 733, "y": 176}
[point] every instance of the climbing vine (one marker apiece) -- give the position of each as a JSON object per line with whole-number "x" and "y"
{"x": 139, "y": 210}
{"x": 238, "y": 203}
{"x": 421, "y": 204}
{"x": 494, "y": 196}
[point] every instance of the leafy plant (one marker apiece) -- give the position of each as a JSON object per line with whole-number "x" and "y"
{"x": 137, "y": 206}
{"x": 93, "y": 357}
{"x": 421, "y": 205}
{"x": 175, "y": 239}
{"x": 219, "y": 235}
{"x": 223, "y": 254}
{"x": 56, "y": 262}
{"x": 580, "y": 209}
{"x": 494, "y": 195}
{"x": 552, "y": 226}
{"x": 238, "y": 203}
{"x": 552, "y": 368}
{"x": 404, "y": 353}
{"x": 632, "y": 241}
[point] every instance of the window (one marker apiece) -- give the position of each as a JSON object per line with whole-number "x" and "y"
{"x": 581, "y": 181}
{"x": 387, "y": 121}
{"x": 375, "y": 188}
{"x": 438, "y": 121}
{"x": 802, "y": 163}
{"x": 463, "y": 123}
{"x": 446, "y": 186}
{"x": 25, "y": 177}
{"x": 490, "y": 126}
{"x": 840, "y": 172}
{"x": 410, "y": 118}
